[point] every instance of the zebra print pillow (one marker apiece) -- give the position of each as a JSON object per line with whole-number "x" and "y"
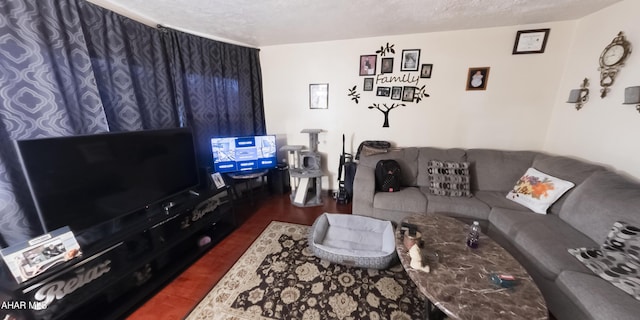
{"x": 624, "y": 237}
{"x": 449, "y": 178}
{"x": 613, "y": 266}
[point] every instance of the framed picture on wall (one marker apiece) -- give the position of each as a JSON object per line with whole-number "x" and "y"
{"x": 396, "y": 93}
{"x": 319, "y": 96}
{"x": 387, "y": 65}
{"x": 410, "y": 60}
{"x": 383, "y": 92}
{"x": 368, "y": 64}
{"x": 477, "y": 78}
{"x": 368, "y": 84}
{"x": 408, "y": 94}
{"x": 425, "y": 71}
{"x": 530, "y": 41}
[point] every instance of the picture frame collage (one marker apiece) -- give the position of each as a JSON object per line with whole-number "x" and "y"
{"x": 526, "y": 42}
{"x": 410, "y": 62}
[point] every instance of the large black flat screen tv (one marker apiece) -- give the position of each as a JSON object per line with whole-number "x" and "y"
{"x": 83, "y": 181}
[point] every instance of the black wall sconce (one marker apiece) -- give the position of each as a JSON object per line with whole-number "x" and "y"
{"x": 632, "y": 96}
{"x": 580, "y": 96}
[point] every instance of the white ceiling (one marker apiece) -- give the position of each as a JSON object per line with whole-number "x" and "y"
{"x": 259, "y": 23}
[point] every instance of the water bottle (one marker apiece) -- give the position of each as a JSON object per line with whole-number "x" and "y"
{"x": 474, "y": 234}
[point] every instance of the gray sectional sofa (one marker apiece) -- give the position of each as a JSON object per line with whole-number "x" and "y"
{"x": 581, "y": 218}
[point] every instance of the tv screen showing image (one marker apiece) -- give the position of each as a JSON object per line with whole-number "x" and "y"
{"x": 237, "y": 154}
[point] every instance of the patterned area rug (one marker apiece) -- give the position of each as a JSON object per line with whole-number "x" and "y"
{"x": 279, "y": 278}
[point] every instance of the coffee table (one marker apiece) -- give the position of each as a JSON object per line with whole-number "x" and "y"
{"x": 459, "y": 286}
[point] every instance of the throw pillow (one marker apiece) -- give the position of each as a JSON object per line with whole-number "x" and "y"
{"x": 613, "y": 266}
{"x": 624, "y": 237}
{"x": 449, "y": 178}
{"x": 369, "y": 151}
{"x": 538, "y": 191}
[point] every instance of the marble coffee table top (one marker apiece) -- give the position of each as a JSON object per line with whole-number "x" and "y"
{"x": 460, "y": 285}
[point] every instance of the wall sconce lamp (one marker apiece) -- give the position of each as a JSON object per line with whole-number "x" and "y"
{"x": 580, "y": 96}
{"x": 632, "y": 96}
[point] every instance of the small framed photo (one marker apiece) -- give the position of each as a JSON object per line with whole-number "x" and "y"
{"x": 410, "y": 60}
{"x": 408, "y": 94}
{"x": 387, "y": 65}
{"x": 368, "y": 84}
{"x": 477, "y": 78}
{"x": 319, "y": 96}
{"x": 425, "y": 71}
{"x": 396, "y": 93}
{"x": 531, "y": 41}
{"x": 368, "y": 64}
{"x": 218, "y": 181}
{"x": 383, "y": 92}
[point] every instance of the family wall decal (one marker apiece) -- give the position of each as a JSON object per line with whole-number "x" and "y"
{"x": 403, "y": 86}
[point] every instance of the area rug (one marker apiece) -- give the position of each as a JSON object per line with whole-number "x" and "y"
{"x": 278, "y": 277}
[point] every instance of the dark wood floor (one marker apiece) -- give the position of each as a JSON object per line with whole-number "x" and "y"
{"x": 177, "y": 299}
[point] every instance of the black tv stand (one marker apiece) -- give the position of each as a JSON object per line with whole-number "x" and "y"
{"x": 117, "y": 274}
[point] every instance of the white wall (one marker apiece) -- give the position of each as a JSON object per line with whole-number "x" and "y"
{"x": 513, "y": 113}
{"x": 605, "y": 130}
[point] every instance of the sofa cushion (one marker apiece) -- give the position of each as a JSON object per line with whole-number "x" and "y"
{"x": 614, "y": 266}
{"x": 449, "y": 178}
{"x": 602, "y": 199}
{"x": 457, "y": 206}
{"x": 545, "y": 243}
{"x": 538, "y": 191}
{"x": 498, "y": 199}
{"x": 497, "y": 170}
{"x": 427, "y": 154}
{"x": 595, "y": 296}
{"x": 407, "y": 158}
{"x": 565, "y": 168}
{"x": 508, "y": 221}
{"x": 409, "y": 199}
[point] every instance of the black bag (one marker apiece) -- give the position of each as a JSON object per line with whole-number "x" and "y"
{"x": 388, "y": 177}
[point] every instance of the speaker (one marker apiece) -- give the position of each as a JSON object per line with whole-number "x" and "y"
{"x": 204, "y": 173}
{"x": 278, "y": 179}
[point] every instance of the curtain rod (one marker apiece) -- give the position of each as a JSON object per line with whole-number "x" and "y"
{"x": 144, "y": 19}
{"x": 208, "y": 36}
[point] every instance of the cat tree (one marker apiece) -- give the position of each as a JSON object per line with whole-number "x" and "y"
{"x": 305, "y": 170}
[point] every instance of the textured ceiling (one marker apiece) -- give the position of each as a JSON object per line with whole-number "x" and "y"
{"x": 271, "y": 22}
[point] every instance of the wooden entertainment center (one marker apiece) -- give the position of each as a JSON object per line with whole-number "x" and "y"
{"x": 124, "y": 262}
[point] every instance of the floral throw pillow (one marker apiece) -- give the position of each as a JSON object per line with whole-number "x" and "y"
{"x": 624, "y": 237}
{"x": 538, "y": 191}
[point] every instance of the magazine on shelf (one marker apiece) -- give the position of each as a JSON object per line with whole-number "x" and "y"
{"x": 31, "y": 258}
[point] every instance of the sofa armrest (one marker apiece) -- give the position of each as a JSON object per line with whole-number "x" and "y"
{"x": 364, "y": 189}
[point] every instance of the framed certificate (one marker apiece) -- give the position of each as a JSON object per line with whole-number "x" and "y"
{"x": 531, "y": 41}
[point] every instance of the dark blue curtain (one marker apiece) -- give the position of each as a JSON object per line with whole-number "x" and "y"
{"x": 132, "y": 71}
{"x": 218, "y": 85}
{"x": 47, "y": 88}
{"x": 69, "y": 67}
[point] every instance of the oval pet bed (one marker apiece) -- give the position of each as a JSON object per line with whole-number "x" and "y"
{"x": 353, "y": 240}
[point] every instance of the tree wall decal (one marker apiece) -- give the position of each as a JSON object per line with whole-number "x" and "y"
{"x": 385, "y": 110}
{"x": 353, "y": 93}
{"x": 386, "y": 49}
